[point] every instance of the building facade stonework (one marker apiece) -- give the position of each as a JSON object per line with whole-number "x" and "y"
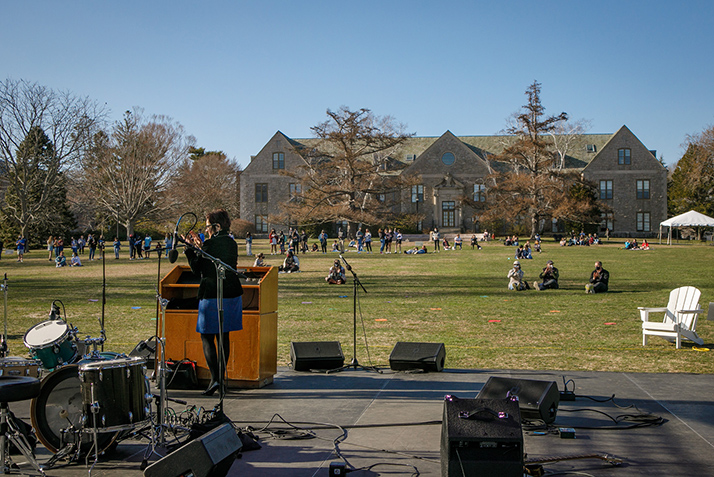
{"x": 450, "y": 168}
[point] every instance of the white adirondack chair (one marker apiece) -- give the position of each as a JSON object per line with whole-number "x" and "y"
{"x": 680, "y": 317}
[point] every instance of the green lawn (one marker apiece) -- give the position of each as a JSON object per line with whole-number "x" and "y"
{"x": 458, "y": 298}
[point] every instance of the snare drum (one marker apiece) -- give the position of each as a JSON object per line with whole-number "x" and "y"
{"x": 16, "y": 366}
{"x": 51, "y": 343}
{"x": 118, "y": 388}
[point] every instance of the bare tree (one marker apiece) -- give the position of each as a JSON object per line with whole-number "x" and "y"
{"x": 349, "y": 175}
{"x": 207, "y": 181}
{"x": 564, "y": 135}
{"x": 125, "y": 174}
{"x": 63, "y": 122}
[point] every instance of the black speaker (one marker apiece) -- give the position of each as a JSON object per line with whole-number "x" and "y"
{"x": 308, "y": 355}
{"x": 481, "y": 437}
{"x": 425, "y": 356}
{"x": 210, "y": 455}
{"x": 537, "y": 399}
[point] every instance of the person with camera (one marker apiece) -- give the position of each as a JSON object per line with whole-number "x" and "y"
{"x": 515, "y": 277}
{"x": 599, "y": 279}
{"x": 549, "y": 277}
{"x": 336, "y": 275}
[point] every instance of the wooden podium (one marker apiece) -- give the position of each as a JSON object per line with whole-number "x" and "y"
{"x": 253, "y": 359}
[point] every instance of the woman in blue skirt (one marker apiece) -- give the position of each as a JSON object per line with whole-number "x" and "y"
{"x": 219, "y": 245}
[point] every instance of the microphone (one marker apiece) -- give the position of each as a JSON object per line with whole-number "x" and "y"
{"x": 173, "y": 253}
{"x": 54, "y": 312}
{"x": 347, "y": 265}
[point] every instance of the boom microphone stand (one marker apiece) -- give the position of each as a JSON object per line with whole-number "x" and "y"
{"x": 354, "y": 363}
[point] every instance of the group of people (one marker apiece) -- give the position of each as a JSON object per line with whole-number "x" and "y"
{"x": 634, "y": 245}
{"x": 279, "y": 242}
{"x": 599, "y": 278}
{"x": 580, "y": 239}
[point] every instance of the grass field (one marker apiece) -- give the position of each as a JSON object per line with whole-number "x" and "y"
{"x": 458, "y": 298}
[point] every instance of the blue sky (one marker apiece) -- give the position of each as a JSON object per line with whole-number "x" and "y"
{"x": 232, "y": 73}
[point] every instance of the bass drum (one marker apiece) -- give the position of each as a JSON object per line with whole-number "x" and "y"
{"x": 60, "y": 392}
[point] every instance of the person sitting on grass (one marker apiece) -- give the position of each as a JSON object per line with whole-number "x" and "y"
{"x": 599, "y": 279}
{"x": 259, "y": 260}
{"x": 549, "y": 275}
{"x": 61, "y": 260}
{"x": 336, "y": 275}
{"x": 416, "y": 250}
{"x": 75, "y": 261}
{"x": 290, "y": 264}
{"x": 515, "y": 277}
{"x": 458, "y": 242}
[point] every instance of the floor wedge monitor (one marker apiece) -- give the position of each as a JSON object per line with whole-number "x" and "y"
{"x": 307, "y": 355}
{"x": 537, "y": 399}
{"x": 211, "y": 455}
{"x": 424, "y": 356}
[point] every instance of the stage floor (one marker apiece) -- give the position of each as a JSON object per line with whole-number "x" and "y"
{"x": 393, "y": 424}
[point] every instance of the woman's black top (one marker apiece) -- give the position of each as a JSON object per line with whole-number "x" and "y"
{"x": 223, "y": 247}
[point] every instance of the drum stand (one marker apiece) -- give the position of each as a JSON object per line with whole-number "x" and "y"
{"x": 158, "y": 429}
{"x": 11, "y": 434}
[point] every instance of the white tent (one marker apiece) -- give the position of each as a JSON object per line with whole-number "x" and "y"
{"x": 687, "y": 219}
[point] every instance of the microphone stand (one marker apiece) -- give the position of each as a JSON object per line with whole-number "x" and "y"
{"x": 3, "y": 344}
{"x": 221, "y": 269}
{"x": 354, "y": 363}
{"x": 104, "y": 287}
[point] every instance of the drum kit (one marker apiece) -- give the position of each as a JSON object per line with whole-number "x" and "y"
{"x": 89, "y": 399}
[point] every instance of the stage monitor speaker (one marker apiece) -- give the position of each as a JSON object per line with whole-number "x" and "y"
{"x": 307, "y": 355}
{"x": 425, "y": 356}
{"x": 537, "y": 399}
{"x": 211, "y": 455}
{"x": 481, "y": 437}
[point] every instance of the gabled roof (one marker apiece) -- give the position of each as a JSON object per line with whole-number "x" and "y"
{"x": 583, "y": 148}
{"x": 623, "y": 131}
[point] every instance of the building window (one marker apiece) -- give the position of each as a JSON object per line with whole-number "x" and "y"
{"x": 606, "y": 221}
{"x": 643, "y": 221}
{"x": 448, "y": 213}
{"x": 295, "y": 190}
{"x": 479, "y": 193}
{"x": 418, "y": 193}
{"x": 448, "y": 158}
{"x": 605, "y": 190}
{"x": 623, "y": 156}
{"x": 278, "y": 160}
{"x": 261, "y": 223}
{"x": 643, "y": 189}
{"x": 261, "y": 192}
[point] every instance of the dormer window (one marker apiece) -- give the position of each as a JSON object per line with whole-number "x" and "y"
{"x": 591, "y": 148}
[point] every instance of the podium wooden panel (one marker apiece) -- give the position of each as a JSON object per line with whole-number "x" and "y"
{"x": 254, "y": 350}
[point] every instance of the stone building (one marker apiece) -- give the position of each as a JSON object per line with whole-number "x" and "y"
{"x": 629, "y": 177}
